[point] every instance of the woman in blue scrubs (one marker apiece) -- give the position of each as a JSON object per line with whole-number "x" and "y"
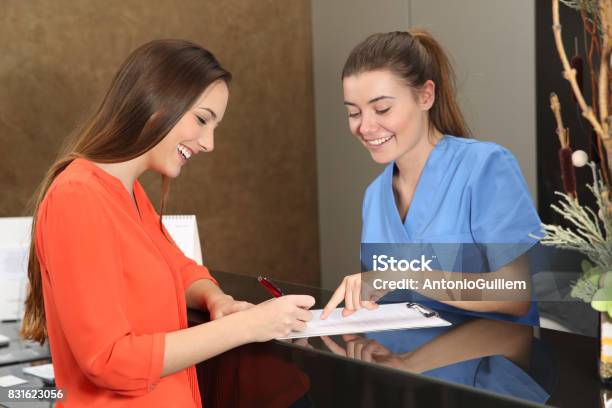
{"x": 439, "y": 186}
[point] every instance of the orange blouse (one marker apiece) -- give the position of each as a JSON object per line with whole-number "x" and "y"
{"x": 113, "y": 285}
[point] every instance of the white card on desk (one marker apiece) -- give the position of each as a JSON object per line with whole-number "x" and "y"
{"x": 44, "y": 371}
{"x": 14, "y": 254}
{"x": 394, "y": 316}
{"x": 11, "y": 380}
{"x": 184, "y": 231}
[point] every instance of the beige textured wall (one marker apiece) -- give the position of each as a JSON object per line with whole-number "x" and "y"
{"x": 344, "y": 177}
{"x": 255, "y": 196}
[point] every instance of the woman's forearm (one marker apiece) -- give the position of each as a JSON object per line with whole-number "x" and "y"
{"x": 479, "y": 338}
{"x": 512, "y": 302}
{"x": 184, "y": 348}
{"x": 510, "y": 307}
{"x": 509, "y": 301}
{"x": 268, "y": 320}
{"x": 201, "y": 293}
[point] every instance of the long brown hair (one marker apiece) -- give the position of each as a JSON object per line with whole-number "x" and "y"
{"x": 152, "y": 90}
{"x": 416, "y": 57}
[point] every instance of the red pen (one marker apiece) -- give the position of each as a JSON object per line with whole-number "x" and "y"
{"x": 270, "y": 287}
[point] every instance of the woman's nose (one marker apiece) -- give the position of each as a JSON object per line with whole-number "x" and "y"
{"x": 207, "y": 142}
{"x": 367, "y": 125}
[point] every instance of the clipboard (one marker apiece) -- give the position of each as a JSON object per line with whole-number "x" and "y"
{"x": 393, "y": 316}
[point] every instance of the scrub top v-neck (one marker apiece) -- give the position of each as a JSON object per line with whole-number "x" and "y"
{"x": 423, "y": 189}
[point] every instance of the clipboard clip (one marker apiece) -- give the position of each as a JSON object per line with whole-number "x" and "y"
{"x": 425, "y": 311}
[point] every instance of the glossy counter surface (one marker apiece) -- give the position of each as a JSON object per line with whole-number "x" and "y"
{"x": 475, "y": 362}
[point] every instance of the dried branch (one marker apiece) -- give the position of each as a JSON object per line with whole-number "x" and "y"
{"x": 605, "y": 11}
{"x": 602, "y": 127}
{"x": 562, "y": 132}
{"x": 590, "y": 21}
{"x": 588, "y": 7}
{"x": 570, "y": 74}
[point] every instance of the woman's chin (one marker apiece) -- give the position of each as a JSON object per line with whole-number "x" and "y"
{"x": 172, "y": 172}
{"x": 381, "y": 158}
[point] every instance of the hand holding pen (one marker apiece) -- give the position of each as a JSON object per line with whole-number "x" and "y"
{"x": 270, "y": 287}
{"x": 279, "y": 316}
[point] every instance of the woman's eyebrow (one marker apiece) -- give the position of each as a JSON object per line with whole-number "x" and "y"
{"x": 214, "y": 115}
{"x": 378, "y": 98}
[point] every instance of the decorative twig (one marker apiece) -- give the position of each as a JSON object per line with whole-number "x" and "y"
{"x": 570, "y": 75}
{"x": 568, "y": 175}
{"x": 605, "y": 11}
{"x": 562, "y": 132}
{"x": 605, "y": 62}
{"x": 592, "y": 28}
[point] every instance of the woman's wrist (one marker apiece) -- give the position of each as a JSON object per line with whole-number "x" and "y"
{"x": 245, "y": 330}
{"x": 201, "y": 293}
{"x": 214, "y": 297}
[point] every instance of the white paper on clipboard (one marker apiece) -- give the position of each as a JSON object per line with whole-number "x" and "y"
{"x": 394, "y": 316}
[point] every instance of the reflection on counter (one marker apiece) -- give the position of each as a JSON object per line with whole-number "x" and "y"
{"x": 493, "y": 355}
{"x": 477, "y": 362}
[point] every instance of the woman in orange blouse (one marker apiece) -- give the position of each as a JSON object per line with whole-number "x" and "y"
{"x": 108, "y": 287}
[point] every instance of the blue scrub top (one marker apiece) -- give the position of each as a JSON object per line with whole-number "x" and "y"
{"x": 469, "y": 192}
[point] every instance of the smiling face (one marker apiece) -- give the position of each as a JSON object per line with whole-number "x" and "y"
{"x": 192, "y": 134}
{"x": 388, "y": 117}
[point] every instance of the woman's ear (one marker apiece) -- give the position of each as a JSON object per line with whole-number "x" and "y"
{"x": 427, "y": 95}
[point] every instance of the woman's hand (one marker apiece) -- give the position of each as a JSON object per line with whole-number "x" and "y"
{"x": 363, "y": 349}
{"x": 223, "y": 305}
{"x": 349, "y": 291}
{"x": 277, "y": 317}
{"x": 367, "y": 350}
{"x": 300, "y": 341}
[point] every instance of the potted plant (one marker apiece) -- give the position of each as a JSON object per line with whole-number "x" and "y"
{"x": 590, "y": 229}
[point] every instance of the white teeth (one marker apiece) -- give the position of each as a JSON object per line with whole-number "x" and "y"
{"x": 377, "y": 142}
{"x": 186, "y": 152}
